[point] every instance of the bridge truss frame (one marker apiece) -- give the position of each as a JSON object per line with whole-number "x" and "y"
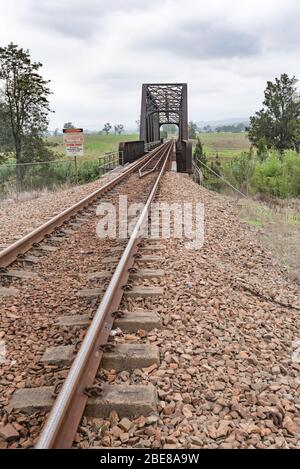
{"x": 163, "y": 103}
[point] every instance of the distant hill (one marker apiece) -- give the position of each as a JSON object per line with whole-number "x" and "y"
{"x": 221, "y": 122}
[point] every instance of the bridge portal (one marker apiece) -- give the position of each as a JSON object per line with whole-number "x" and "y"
{"x": 166, "y": 103}
{"x": 163, "y": 103}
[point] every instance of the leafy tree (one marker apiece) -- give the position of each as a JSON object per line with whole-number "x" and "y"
{"x": 199, "y": 154}
{"x": 193, "y": 129}
{"x": 216, "y": 166}
{"x": 242, "y": 168}
{"x": 69, "y": 125}
{"x": 163, "y": 133}
{"x": 279, "y": 121}
{"x": 262, "y": 150}
{"x": 200, "y": 160}
{"x": 213, "y": 174}
{"x": 6, "y": 137}
{"x": 119, "y": 128}
{"x": 25, "y": 94}
{"x": 107, "y": 128}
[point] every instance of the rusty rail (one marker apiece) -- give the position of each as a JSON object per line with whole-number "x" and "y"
{"x": 60, "y": 428}
{"x": 152, "y": 164}
{"x": 11, "y": 253}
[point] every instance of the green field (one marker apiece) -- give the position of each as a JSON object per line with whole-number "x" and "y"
{"x": 94, "y": 144}
{"x": 225, "y": 144}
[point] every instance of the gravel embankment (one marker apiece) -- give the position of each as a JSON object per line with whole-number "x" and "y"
{"x": 28, "y": 322}
{"x": 229, "y": 374}
{"x": 17, "y": 217}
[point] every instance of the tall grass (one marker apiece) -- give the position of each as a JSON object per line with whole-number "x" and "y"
{"x": 50, "y": 175}
{"x": 275, "y": 176}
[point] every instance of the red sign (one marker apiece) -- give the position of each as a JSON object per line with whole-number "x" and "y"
{"x": 73, "y": 140}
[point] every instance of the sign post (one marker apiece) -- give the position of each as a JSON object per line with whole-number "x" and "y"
{"x": 76, "y": 168}
{"x": 73, "y": 141}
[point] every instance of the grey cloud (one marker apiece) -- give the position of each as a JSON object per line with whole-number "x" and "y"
{"x": 75, "y": 21}
{"x": 79, "y": 19}
{"x": 286, "y": 36}
{"x": 204, "y": 41}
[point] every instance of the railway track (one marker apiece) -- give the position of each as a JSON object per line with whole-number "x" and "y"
{"x": 152, "y": 164}
{"x": 227, "y": 373}
{"x": 68, "y": 409}
{"x": 24, "y": 244}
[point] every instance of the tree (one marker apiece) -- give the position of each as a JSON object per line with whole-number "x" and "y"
{"x": 216, "y": 166}
{"x": 119, "y": 129}
{"x": 163, "y": 133}
{"x": 262, "y": 150}
{"x": 207, "y": 128}
{"x": 25, "y": 94}
{"x": 242, "y": 168}
{"x": 199, "y": 154}
{"x": 69, "y": 125}
{"x": 171, "y": 129}
{"x": 107, "y": 128}
{"x": 200, "y": 160}
{"x": 6, "y": 136}
{"x": 193, "y": 129}
{"x": 278, "y": 123}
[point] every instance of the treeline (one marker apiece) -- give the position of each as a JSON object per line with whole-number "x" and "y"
{"x": 272, "y": 165}
{"x": 195, "y": 130}
{"x": 118, "y": 129}
{"x": 237, "y": 128}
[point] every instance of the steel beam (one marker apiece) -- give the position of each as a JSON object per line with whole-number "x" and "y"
{"x": 163, "y": 103}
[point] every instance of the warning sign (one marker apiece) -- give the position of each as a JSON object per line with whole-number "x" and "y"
{"x": 73, "y": 141}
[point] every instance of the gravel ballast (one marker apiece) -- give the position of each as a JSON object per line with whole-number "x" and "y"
{"x": 18, "y": 217}
{"x": 29, "y": 320}
{"x": 229, "y": 376}
{"x": 229, "y": 369}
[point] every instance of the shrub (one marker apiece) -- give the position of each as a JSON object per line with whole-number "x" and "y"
{"x": 270, "y": 174}
{"x": 278, "y": 177}
{"x": 239, "y": 170}
{"x": 40, "y": 175}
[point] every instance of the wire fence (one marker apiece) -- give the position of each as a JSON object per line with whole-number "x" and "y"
{"x": 216, "y": 181}
{"x": 26, "y": 177}
{"x": 198, "y": 177}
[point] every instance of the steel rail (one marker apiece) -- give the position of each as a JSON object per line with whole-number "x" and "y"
{"x": 64, "y": 418}
{"x": 152, "y": 164}
{"x": 11, "y": 253}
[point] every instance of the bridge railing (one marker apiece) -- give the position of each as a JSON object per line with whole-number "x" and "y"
{"x": 151, "y": 145}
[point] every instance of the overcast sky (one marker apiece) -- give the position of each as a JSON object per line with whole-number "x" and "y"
{"x": 98, "y": 53}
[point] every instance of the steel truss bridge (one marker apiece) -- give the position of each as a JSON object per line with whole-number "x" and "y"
{"x": 162, "y": 103}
